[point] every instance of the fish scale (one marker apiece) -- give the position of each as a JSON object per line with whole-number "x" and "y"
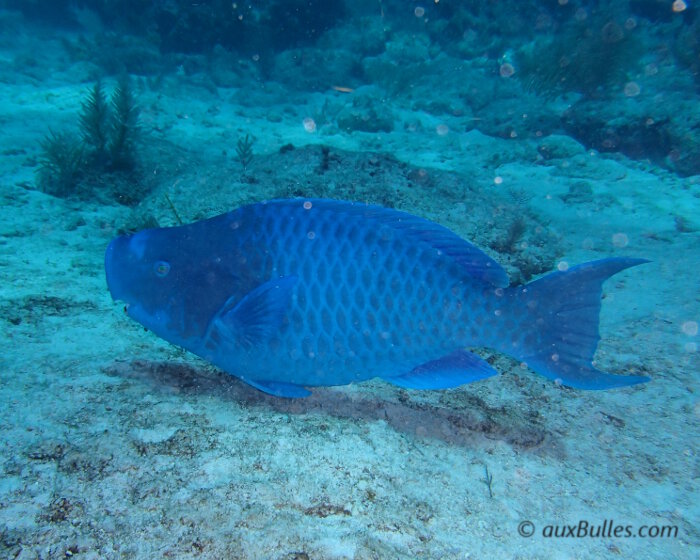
{"x": 290, "y": 294}
{"x": 359, "y": 298}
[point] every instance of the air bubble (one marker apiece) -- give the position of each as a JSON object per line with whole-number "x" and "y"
{"x": 620, "y": 240}
{"x": 506, "y": 70}
{"x": 309, "y": 124}
{"x": 632, "y": 89}
{"x": 690, "y": 328}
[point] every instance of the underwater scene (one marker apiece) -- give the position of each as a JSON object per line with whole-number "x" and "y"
{"x": 350, "y": 279}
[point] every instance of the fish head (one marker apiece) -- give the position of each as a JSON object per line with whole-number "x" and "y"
{"x": 145, "y": 273}
{"x": 175, "y": 280}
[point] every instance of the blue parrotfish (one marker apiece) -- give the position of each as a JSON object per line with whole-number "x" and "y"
{"x": 291, "y": 294}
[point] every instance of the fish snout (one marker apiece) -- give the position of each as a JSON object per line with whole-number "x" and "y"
{"x": 114, "y": 271}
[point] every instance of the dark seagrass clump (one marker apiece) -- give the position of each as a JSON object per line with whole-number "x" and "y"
{"x": 101, "y": 160}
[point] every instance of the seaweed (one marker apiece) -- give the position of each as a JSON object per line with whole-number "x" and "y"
{"x": 488, "y": 480}
{"x": 94, "y": 123}
{"x": 244, "y": 150}
{"x": 513, "y": 233}
{"x": 587, "y": 57}
{"x": 124, "y": 127}
{"x": 70, "y": 164}
{"x": 61, "y": 163}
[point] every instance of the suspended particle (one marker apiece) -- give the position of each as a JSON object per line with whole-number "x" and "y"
{"x": 620, "y": 240}
{"x": 506, "y": 70}
{"x": 632, "y": 89}
{"x": 309, "y": 124}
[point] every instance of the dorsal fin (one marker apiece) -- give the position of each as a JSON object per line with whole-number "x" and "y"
{"x": 473, "y": 260}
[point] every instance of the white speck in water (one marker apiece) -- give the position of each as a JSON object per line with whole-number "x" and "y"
{"x": 309, "y": 124}
{"x": 442, "y": 129}
{"x": 632, "y": 89}
{"x": 307, "y": 205}
{"x": 311, "y": 235}
{"x": 563, "y": 265}
{"x": 506, "y": 70}
{"x": 679, "y": 6}
{"x": 690, "y": 328}
{"x": 620, "y": 240}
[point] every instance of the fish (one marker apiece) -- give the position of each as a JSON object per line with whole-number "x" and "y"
{"x": 292, "y": 294}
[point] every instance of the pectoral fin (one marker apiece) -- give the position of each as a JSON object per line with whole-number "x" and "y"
{"x": 279, "y": 389}
{"x": 455, "y": 369}
{"x": 253, "y": 319}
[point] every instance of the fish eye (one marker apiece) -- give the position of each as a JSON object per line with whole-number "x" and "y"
{"x": 161, "y": 269}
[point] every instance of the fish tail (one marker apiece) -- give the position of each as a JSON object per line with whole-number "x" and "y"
{"x": 558, "y": 317}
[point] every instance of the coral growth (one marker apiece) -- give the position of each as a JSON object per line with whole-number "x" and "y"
{"x": 70, "y": 165}
{"x": 586, "y": 57}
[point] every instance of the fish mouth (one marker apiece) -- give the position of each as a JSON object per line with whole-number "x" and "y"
{"x": 112, "y": 272}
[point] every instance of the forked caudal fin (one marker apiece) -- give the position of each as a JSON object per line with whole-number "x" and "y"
{"x": 558, "y": 320}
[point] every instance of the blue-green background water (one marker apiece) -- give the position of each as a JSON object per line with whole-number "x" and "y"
{"x": 547, "y": 133}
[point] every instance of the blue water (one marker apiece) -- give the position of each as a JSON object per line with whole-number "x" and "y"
{"x": 546, "y": 134}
